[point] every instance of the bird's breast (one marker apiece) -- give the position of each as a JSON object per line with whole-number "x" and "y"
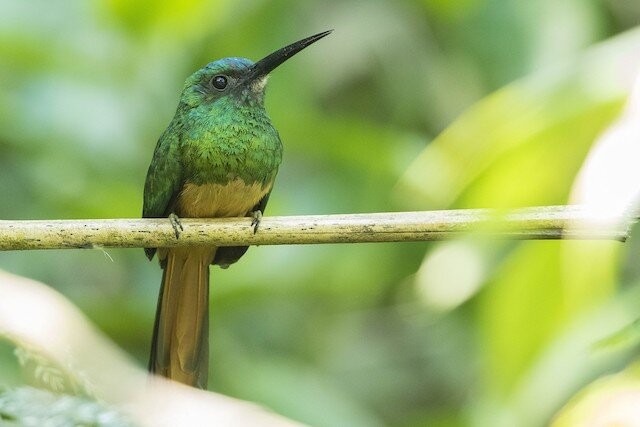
{"x": 213, "y": 200}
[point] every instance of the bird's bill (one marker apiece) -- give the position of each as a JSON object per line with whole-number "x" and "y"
{"x": 267, "y": 64}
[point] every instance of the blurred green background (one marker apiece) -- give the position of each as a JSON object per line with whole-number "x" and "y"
{"x": 466, "y": 332}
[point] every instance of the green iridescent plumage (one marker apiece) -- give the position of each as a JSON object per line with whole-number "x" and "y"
{"x": 214, "y": 137}
{"x": 218, "y": 157}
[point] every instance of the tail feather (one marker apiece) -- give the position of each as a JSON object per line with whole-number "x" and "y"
{"x": 180, "y": 343}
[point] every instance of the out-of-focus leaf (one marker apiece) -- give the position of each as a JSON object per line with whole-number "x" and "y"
{"x": 521, "y": 309}
{"x": 523, "y": 146}
{"x": 608, "y": 183}
{"x": 272, "y": 380}
{"x": 625, "y": 337}
{"x": 63, "y": 343}
{"x": 181, "y": 19}
{"x": 568, "y": 361}
{"x": 609, "y": 401}
{"x": 528, "y": 137}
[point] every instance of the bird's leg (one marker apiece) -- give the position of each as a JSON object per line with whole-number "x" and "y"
{"x": 256, "y": 218}
{"x": 176, "y": 224}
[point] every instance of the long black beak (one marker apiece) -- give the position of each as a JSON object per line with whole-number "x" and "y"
{"x": 270, "y": 62}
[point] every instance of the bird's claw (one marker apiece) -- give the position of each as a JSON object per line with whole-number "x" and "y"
{"x": 176, "y": 224}
{"x": 256, "y": 218}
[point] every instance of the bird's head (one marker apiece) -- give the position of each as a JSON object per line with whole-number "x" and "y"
{"x": 238, "y": 78}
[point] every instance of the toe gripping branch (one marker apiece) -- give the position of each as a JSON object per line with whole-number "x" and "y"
{"x": 176, "y": 224}
{"x": 256, "y": 218}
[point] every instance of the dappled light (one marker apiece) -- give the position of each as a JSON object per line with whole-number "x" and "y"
{"x": 609, "y": 180}
{"x": 451, "y": 274}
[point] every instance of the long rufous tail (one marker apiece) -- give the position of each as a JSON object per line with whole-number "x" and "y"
{"x": 180, "y": 343}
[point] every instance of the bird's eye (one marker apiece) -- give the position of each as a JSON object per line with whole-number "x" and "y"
{"x": 219, "y": 82}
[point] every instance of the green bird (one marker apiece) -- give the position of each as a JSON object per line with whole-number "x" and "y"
{"x": 218, "y": 158}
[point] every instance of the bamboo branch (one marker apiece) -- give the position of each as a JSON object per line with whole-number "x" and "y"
{"x": 546, "y": 222}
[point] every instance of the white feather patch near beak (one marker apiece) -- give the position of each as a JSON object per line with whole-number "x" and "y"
{"x": 258, "y": 84}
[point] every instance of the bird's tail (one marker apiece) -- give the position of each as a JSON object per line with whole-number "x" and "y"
{"x": 180, "y": 343}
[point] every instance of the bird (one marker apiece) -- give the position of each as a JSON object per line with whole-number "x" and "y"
{"x": 217, "y": 158}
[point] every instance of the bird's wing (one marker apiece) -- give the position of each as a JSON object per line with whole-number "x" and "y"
{"x": 164, "y": 180}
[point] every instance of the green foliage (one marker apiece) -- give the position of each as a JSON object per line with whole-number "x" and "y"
{"x": 347, "y": 333}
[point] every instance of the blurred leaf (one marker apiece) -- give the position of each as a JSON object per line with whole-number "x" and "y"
{"x": 628, "y": 336}
{"x": 181, "y": 19}
{"x": 609, "y": 401}
{"x": 521, "y": 310}
{"x": 569, "y": 356}
{"x": 270, "y": 381}
{"x": 452, "y": 10}
{"x": 525, "y": 138}
{"x": 523, "y": 146}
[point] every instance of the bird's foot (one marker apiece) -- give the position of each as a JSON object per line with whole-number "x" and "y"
{"x": 256, "y": 218}
{"x": 176, "y": 224}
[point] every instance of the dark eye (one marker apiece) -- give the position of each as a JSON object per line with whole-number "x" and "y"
{"x": 219, "y": 82}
